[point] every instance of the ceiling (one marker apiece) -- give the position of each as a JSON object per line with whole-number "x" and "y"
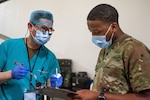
{"x": 1, "y": 1}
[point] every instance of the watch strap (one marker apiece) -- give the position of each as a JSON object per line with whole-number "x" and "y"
{"x": 101, "y": 96}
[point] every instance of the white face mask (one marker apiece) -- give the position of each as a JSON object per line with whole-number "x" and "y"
{"x": 101, "y": 42}
{"x": 41, "y": 37}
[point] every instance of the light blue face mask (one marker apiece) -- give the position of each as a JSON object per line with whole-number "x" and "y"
{"x": 41, "y": 37}
{"x": 101, "y": 42}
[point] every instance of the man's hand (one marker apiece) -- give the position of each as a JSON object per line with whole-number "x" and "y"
{"x": 19, "y": 72}
{"x": 56, "y": 80}
{"x": 85, "y": 95}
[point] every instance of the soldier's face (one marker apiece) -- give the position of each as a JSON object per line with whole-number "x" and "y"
{"x": 99, "y": 28}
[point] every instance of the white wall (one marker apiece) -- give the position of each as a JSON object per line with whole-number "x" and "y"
{"x": 72, "y": 39}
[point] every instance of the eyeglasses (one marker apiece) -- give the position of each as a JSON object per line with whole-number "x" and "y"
{"x": 45, "y": 29}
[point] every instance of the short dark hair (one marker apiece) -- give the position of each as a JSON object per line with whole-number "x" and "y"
{"x": 103, "y": 12}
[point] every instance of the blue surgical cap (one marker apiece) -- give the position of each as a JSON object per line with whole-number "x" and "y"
{"x": 38, "y": 14}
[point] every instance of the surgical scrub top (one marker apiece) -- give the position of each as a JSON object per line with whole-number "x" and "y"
{"x": 14, "y": 50}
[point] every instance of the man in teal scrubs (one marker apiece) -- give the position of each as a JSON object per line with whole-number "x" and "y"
{"x": 26, "y": 62}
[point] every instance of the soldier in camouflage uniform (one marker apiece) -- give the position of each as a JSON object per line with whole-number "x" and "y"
{"x": 123, "y": 67}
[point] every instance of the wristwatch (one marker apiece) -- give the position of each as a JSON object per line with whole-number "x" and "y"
{"x": 101, "y": 96}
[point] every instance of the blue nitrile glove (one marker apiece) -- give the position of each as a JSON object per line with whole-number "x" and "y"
{"x": 19, "y": 72}
{"x": 56, "y": 80}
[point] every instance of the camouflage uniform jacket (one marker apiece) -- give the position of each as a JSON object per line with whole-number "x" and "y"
{"x": 123, "y": 67}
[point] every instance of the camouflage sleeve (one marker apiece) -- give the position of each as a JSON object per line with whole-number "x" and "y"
{"x": 137, "y": 66}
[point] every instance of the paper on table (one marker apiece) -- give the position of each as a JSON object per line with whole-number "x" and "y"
{"x": 29, "y": 96}
{"x": 52, "y": 92}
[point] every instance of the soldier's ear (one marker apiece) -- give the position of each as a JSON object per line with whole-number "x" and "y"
{"x": 114, "y": 26}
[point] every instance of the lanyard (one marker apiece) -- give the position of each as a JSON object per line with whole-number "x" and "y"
{"x": 31, "y": 68}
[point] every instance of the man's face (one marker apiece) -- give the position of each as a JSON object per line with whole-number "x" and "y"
{"x": 43, "y": 26}
{"x": 99, "y": 28}
{"x": 46, "y": 23}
